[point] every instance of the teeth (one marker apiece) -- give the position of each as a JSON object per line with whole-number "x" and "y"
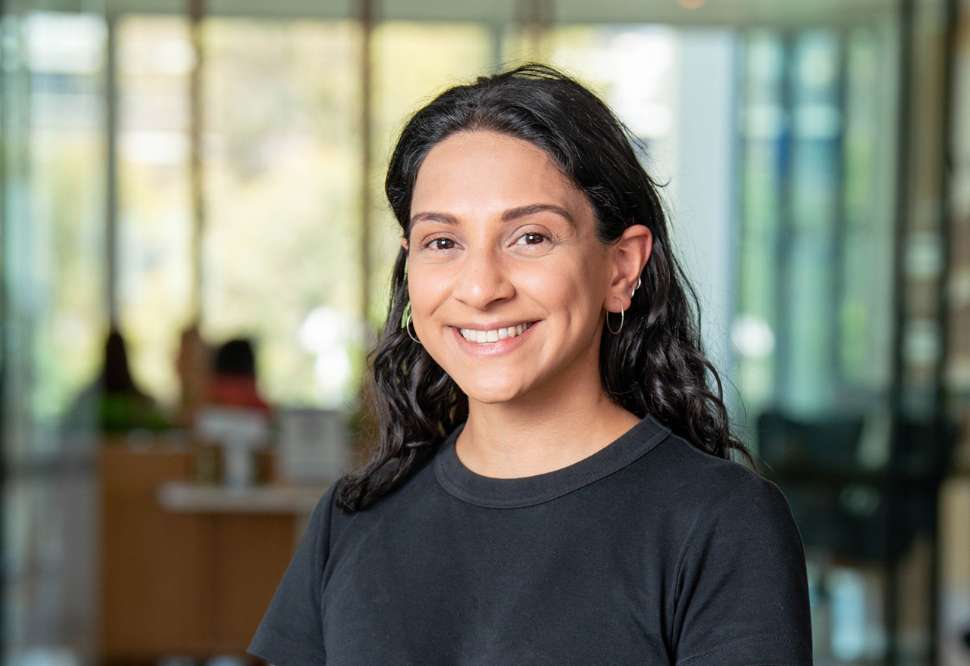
{"x": 492, "y": 336}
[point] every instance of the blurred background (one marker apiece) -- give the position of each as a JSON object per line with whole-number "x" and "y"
{"x": 196, "y": 255}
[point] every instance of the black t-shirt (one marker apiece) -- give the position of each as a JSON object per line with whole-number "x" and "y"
{"x": 649, "y": 551}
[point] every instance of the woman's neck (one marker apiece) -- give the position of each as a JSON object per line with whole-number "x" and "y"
{"x": 505, "y": 441}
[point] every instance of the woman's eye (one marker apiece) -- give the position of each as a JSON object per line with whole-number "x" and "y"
{"x": 534, "y": 234}
{"x": 438, "y": 240}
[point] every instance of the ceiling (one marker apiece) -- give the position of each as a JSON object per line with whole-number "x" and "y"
{"x": 725, "y": 13}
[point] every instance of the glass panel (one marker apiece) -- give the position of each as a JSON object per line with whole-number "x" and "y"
{"x": 65, "y": 297}
{"x": 154, "y": 217}
{"x": 816, "y": 265}
{"x": 611, "y": 59}
{"x": 867, "y": 253}
{"x": 282, "y": 236}
{"x": 763, "y": 129}
{"x": 53, "y": 323}
{"x": 816, "y": 200}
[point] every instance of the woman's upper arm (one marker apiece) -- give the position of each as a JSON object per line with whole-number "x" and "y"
{"x": 742, "y": 590}
{"x": 291, "y": 631}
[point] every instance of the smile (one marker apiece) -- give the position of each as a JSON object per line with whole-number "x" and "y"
{"x": 473, "y": 335}
{"x": 494, "y": 342}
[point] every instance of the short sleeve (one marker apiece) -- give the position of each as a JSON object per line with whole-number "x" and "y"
{"x": 291, "y": 631}
{"x": 741, "y": 589}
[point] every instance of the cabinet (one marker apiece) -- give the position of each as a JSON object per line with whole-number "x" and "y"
{"x": 189, "y": 576}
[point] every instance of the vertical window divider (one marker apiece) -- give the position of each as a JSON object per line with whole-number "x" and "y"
{"x": 784, "y": 228}
{"x": 111, "y": 126}
{"x": 367, "y": 17}
{"x": 739, "y": 227}
{"x": 895, "y": 399}
{"x": 196, "y": 11}
{"x": 840, "y": 213}
{"x": 945, "y": 221}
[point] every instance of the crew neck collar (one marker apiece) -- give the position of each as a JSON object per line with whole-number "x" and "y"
{"x": 466, "y": 485}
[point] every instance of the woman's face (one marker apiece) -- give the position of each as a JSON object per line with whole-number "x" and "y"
{"x": 499, "y": 237}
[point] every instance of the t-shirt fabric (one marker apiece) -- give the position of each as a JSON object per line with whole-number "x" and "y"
{"x": 649, "y": 551}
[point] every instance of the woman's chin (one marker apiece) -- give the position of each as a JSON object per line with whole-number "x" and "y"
{"x": 491, "y": 393}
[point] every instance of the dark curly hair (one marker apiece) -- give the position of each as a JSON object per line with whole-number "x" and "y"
{"x": 656, "y": 365}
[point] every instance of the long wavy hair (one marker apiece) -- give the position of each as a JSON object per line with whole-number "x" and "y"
{"x": 655, "y": 365}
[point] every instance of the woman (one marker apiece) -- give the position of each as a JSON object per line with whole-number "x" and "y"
{"x": 553, "y": 481}
{"x": 113, "y": 403}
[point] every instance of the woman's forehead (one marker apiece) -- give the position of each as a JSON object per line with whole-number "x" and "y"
{"x": 483, "y": 170}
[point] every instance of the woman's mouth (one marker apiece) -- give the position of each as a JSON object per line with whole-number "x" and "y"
{"x": 494, "y": 342}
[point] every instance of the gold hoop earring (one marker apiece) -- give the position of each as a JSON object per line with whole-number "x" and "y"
{"x": 407, "y": 323}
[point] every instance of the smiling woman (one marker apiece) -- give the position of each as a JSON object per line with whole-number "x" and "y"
{"x": 502, "y": 238}
{"x": 549, "y": 485}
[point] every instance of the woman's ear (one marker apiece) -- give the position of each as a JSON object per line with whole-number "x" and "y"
{"x": 630, "y": 254}
{"x": 404, "y": 243}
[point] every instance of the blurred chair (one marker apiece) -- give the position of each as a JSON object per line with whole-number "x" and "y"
{"x": 854, "y": 509}
{"x": 832, "y": 496}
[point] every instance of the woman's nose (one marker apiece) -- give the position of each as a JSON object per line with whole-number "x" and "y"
{"x": 482, "y": 279}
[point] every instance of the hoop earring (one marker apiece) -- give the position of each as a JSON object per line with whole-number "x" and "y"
{"x": 620, "y": 328}
{"x": 608, "y": 313}
{"x": 407, "y": 323}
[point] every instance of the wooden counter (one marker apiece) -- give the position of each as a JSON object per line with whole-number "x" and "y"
{"x": 192, "y": 576}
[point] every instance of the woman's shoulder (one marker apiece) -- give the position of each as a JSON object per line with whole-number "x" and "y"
{"x": 705, "y": 482}
{"x": 739, "y": 555}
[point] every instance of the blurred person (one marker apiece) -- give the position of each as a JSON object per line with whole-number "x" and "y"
{"x": 193, "y": 367}
{"x": 233, "y": 382}
{"x": 113, "y": 402}
{"x": 553, "y": 479}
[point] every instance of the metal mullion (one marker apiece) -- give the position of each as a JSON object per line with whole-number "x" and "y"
{"x": 840, "y": 214}
{"x": 941, "y": 412}
{"x": 367, "y": 18}
{"x": 739, "y": 204}
{"x": 783, "y": 228}
{"x": 906, "y": 11}
{"x": 196, "y": 11}
{"x": 4, "y": 324}
{"x": 111, "y": 169}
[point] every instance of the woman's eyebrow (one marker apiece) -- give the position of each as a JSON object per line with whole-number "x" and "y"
{"x": 507, "y": 216}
